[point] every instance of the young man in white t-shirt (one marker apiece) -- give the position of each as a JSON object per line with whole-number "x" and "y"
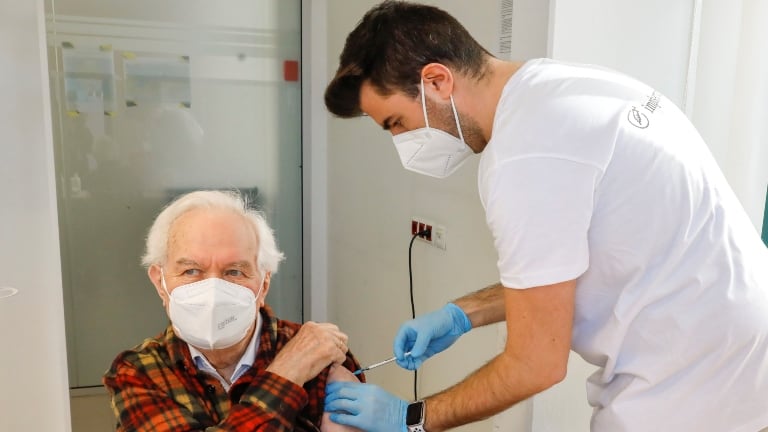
{"x": 617, "y": 235}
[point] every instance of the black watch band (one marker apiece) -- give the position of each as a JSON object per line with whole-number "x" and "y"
{"x": 414, "y": 416}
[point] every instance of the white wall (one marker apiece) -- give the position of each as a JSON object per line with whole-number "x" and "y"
{"x": 33, "y": 366}
{"x": 731, "y": 95}
{"x": 648, "y": 40}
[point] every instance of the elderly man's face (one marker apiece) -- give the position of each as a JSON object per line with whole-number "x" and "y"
{"x": 206, "y": 244}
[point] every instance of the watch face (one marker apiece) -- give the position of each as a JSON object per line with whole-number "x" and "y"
{"x": 413, "y": 415}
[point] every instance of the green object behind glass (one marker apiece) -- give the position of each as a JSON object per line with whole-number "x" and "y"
{"x": 765, "y": 220}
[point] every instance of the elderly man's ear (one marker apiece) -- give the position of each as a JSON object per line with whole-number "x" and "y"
{"x": 155, "y": 276}
{"x": 264, "y": 290}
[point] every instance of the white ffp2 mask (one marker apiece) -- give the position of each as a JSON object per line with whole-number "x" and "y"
{"x": 212, "y": 313}
{"x": 430, "y": 151}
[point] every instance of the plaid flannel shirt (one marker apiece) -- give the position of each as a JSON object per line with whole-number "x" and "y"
{"x": 156, "y": 387}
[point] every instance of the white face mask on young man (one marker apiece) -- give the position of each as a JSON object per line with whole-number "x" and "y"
{"x": 430, "y": 151}
{"x": 212, "y": 313}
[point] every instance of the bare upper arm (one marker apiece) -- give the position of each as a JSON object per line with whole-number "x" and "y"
{"x": 340, "y": 373}
{"x": 539, "y": 328}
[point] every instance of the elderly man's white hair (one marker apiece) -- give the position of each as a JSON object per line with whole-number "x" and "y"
{"x": 157, "y": 240}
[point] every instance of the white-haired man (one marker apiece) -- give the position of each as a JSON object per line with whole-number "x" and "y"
{"x": 225, "y": 363}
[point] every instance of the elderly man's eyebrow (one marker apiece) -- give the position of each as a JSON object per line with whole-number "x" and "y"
{"x": 244, "y": 264}
{"x": 187, "y": 262}
{"x": 240, "y": 264}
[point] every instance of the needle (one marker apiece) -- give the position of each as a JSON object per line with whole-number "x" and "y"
{"x": 375, "y": 365}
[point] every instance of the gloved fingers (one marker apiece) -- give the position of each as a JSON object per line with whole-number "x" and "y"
{"x": 404, "y": 341}
{"x": 341, "y": 390}
{"x": 411, "y": 363}
{"x": 405, "y": 363}
{"x": 344, "y": 406}
{"x": 347, "y": 420}
{"x": 405, "y": 344}
{"x": 421, "y": 344}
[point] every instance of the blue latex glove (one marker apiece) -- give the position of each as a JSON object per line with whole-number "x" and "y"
{"x": 429, "y": 334}
{"x": 365, "y": 406}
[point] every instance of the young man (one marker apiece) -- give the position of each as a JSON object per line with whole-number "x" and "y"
{"x": 617, "y": 235}
{"x": 225, "y": 363}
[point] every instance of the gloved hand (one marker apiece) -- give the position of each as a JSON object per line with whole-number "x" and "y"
{"x": 429, "y": 334}
{"x": 365, "y": 406}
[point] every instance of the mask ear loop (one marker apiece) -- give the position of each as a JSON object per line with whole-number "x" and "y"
{"x": 165, "y": 287}
{"x": 162, "y": 282}
{"x": 453, "y": 108}
{"x": 424, "y": 103}
{"x": 261, "y": 286}
{"x": 456, "y": 117}
{"x": 258, "y": 312}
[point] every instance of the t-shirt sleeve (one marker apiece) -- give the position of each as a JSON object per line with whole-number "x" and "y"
{"x": 538, "y": 209}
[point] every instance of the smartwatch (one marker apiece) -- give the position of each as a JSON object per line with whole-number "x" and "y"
{"x": 414, "y": 416}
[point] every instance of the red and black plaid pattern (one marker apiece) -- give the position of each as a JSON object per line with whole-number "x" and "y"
{"x": 156, "y": 387}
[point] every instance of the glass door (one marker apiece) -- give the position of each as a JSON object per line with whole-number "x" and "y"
{"x": 153, "y": 99}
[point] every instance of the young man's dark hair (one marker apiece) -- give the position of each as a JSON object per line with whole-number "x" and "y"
{"x": 391, "y": 44}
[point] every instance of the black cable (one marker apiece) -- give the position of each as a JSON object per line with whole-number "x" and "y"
{"x": 422, "y": 233}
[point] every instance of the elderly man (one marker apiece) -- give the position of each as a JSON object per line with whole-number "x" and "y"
{"x": 225, "y": 363}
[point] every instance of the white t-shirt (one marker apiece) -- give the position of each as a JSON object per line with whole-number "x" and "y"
{"x": 591, "y": 175}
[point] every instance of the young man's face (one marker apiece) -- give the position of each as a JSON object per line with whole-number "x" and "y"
{"x": 398, "y": 113}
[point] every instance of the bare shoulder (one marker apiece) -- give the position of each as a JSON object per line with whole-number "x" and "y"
{"x": 340, "y": 373}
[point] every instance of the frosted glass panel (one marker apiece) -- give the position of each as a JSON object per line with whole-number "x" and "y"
{"x": 153, "y": 99}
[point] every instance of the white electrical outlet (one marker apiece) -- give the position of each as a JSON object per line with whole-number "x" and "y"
{"x": 438, "y": 236}
{"x": 437, "y": 233}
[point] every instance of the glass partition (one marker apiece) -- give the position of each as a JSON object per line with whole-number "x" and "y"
{"x": 150, "y": 100}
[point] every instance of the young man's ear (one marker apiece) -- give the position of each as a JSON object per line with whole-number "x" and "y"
{"x": 438, "y": 80}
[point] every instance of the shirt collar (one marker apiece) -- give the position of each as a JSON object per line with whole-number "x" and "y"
{"x": 245, "y": 363}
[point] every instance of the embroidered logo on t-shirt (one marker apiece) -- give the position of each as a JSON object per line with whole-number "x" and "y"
{"x": 637, "y": 118}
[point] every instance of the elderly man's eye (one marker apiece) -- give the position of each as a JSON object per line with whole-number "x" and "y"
{"x": 234, "y": 273}
{"x": 191, "y": 272}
